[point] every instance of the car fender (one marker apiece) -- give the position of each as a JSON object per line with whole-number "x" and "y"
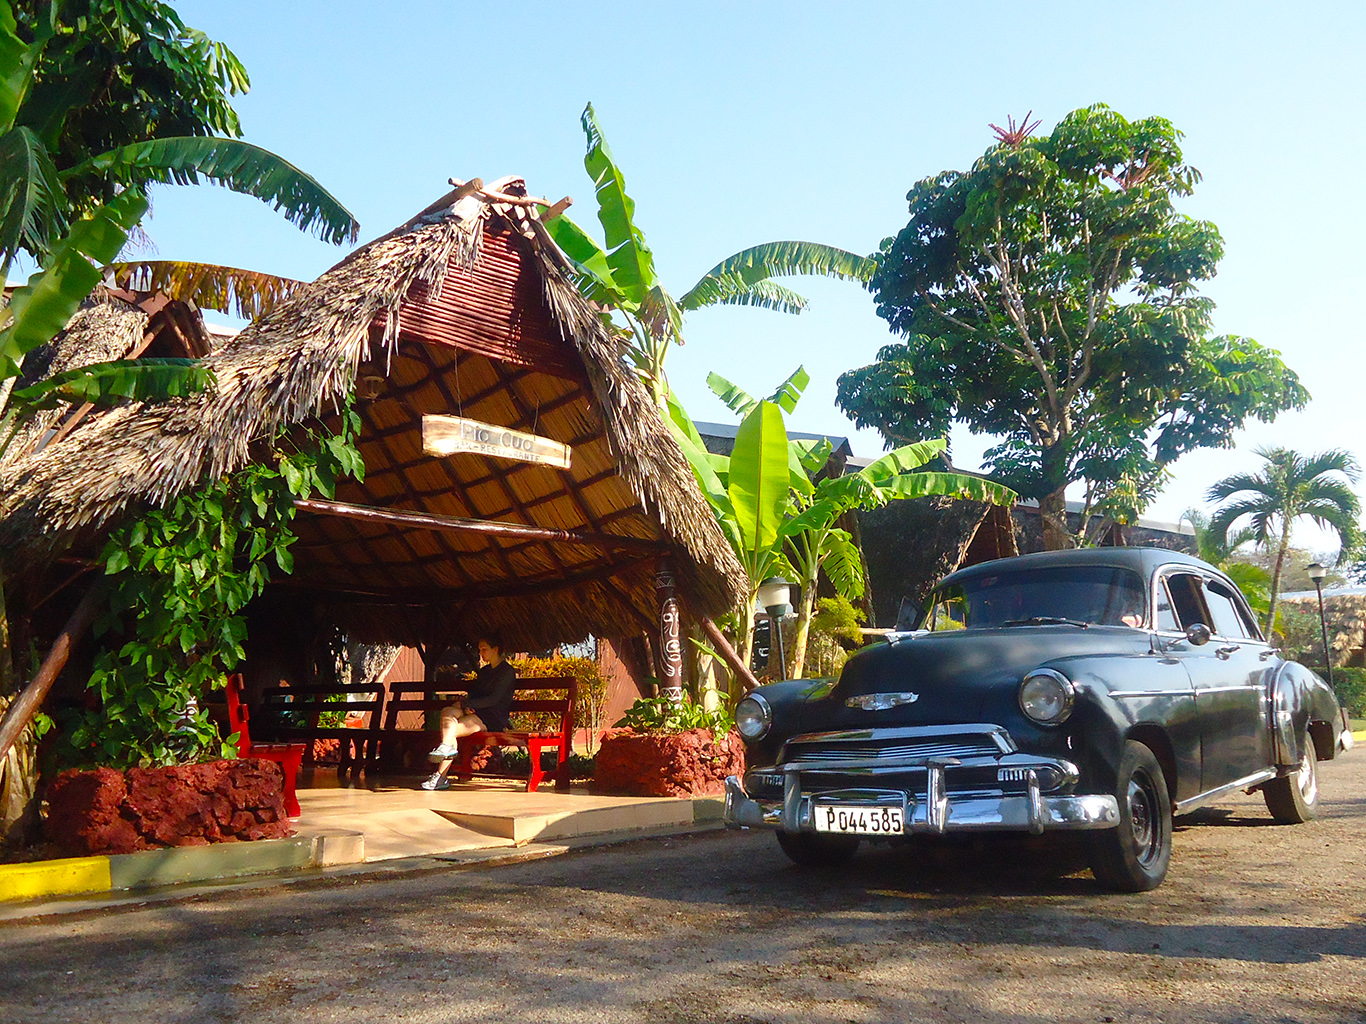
{"x": 1296, "y": 698}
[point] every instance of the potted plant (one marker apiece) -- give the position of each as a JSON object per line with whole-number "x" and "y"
{"x": 666, "y": 748}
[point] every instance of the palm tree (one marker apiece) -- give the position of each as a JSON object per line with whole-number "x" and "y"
{"x": 620, "y": 274}
{"x": 1289, "y": 486}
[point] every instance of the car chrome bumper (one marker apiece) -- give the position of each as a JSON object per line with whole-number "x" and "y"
{"x": 934, "y": 811}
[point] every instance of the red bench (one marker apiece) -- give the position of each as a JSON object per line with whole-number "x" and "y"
{"x": 287, "y": 755}
{"x": 560, "y": 738}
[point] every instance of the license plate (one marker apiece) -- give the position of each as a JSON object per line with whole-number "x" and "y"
{"x": 853, "y": 820}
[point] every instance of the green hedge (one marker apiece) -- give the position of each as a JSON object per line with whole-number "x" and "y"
{"x": 1350, "y": 686}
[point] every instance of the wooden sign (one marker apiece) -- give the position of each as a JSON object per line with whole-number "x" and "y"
{"x": 449, "y": 435}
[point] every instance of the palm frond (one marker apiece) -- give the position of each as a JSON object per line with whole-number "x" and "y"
{"x": 737, "y": 399}
{"x": 136, "y": 380}
{"x": 234, "y": 164}
{"x": 1231, "y": 485}
{"x": 32, "y": 200}
{"x": 788, "y": 259}
{"x": 42, "y": 307}
{"x": 731, "y": 291}
{"x": 245, "y": 293}
{"x": 842, "y": 564}
{"x": 790, "y": 390}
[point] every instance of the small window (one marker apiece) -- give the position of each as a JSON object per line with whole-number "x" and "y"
{"x": 1166, "y": 616}
{"x": 1185, "y": 592}
{"x": 1223, "y": 608}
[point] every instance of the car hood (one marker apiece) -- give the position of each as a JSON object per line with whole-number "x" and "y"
{"x": 967, "y": 675}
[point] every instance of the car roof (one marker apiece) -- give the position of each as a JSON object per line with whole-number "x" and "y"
{"x": 1141, "y": 560}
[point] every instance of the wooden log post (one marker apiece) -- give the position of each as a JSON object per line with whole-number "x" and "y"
{"x": 670, "y": 634}
{"x": 26, "y": 705}
{"x": 728, "y": 655}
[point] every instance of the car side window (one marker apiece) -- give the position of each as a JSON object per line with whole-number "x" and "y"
{"x": 1166, "y": 616}
{"x": 1186, "y": 600}
{"x": 1223, "y": 610}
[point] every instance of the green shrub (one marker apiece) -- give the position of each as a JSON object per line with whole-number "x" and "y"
{"x": 661, "y": 716}
{"x": 518, "y": 762}
{"x": 589, "y": 706}
{"x": 178, "y": 580}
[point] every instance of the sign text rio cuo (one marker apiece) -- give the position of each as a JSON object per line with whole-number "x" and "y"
{"x": 448, "y": 435}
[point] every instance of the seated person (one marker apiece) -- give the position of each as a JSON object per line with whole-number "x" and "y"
{"x": 488, "y": 708}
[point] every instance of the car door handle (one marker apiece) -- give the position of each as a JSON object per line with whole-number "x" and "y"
{"x": 1270, "y": 652}
{"x": 1224, "y": 652}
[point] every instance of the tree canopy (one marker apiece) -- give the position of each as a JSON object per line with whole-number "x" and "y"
{"x": 1048, "y": 296}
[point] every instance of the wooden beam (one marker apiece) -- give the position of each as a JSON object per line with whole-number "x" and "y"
{"x": 432, "y": 521}
{"x": 728, "y": 655}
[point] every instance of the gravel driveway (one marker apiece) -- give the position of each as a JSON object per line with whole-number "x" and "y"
{"x": 1256, "y": 922}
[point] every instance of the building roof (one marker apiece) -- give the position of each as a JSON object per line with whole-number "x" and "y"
{"x": 468, "y": 309}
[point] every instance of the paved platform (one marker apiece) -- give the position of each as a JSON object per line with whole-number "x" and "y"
{"x": 398, "y": 819}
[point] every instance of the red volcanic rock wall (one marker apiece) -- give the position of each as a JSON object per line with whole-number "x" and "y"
{"x": 107, "y": 812}
{"x": 685, "y": 764}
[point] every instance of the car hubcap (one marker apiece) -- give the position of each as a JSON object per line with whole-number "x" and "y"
{"x": 1308, "y": 778}
{"x": 1143, "y": 819}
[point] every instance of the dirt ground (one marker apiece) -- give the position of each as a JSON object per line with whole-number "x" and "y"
{"x": 1256, "y": 922}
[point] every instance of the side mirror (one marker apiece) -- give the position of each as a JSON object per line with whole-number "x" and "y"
{"x": 909, "y": 615}
{"x": 1197, "y": 634}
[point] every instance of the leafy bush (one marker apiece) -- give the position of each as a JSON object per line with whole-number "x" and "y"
{"x": 661, "y": 716}
{"x": 834, "y": 633}
{"x": 178, "y": 580}
{"x": 518, "y": 762}
{"x": 589, "y": 706}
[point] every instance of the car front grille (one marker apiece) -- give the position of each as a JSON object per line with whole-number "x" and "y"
{"x": 832, "y": 753}
{"x": 895, "y": 746}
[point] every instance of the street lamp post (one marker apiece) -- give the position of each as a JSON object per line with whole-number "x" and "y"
{"x": 1316, "y": 573}
{"x": 775, "y": 596}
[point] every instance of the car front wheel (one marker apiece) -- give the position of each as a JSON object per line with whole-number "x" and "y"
{"x": 817, "y": 851}
{"x": 1134, "y": 856}
{"x": 1294, "y": 799}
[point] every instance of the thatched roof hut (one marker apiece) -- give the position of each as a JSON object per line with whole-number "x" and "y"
{"x": 468, "y": 310}
{"x": 910, "y": 545}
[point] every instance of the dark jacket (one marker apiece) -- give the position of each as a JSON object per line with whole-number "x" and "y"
{"x": 491, "y": 695}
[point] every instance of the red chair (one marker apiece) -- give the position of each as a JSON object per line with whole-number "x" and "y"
{"x": 287, "y": 755}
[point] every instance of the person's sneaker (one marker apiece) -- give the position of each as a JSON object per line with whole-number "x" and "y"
{"x": 442, "y": 752}
{"x": 436, "y": 781}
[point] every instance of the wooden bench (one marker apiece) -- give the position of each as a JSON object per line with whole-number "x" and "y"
{"x": 415, "y": 697}
{"x": 292, "y": 713}
{"x": 287, "y": 755}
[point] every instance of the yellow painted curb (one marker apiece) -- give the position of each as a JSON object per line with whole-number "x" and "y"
{"x": 54, "y": 878}
{"x": 1359, "y": 735}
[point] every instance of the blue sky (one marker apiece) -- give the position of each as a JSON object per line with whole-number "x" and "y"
{"x": 742, "y": 123}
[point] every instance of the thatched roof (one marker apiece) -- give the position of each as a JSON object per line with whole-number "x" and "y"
{"x": 467, "y": 310}
{"x": 909, "y": 546}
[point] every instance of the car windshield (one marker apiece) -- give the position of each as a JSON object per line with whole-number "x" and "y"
{"x": 1076, "y": 594}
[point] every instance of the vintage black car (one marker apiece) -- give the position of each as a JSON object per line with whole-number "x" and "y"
{"x": 1099, "y": 690}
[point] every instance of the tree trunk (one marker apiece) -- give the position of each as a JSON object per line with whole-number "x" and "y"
{"x": 1276, "y": 578}
{"x": 804, "y": 612}
{"x": 1053, "y": 513}
{"x": 9, "y": 683}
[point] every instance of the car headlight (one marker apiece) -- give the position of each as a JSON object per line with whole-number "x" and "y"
{"x": 753, "y": 716}
{"x": 1047, "y": 696}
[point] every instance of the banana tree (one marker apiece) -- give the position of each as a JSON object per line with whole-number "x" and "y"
{"x": 810, "y": 536}
{"x": 815, "y": 541}
{"x": 749, "y": 491}
{"x": 620, "y": 274}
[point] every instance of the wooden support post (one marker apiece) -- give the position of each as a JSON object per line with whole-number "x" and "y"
{"x": 670, "y": 634}
{"x": 727, "y": 652}
{"x": 26, "y": 705}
